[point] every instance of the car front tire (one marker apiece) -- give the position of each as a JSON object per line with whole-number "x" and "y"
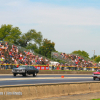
{"x": 34, "y": 74}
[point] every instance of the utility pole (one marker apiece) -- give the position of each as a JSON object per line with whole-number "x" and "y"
{"x": 93, "y": 55}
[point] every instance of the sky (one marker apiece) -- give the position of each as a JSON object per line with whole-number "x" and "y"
{"x": 70, "y": 24}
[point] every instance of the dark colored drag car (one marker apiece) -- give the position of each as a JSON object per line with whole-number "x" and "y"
{"x": 24, "y": 70}
{"x": 96, "y": 74}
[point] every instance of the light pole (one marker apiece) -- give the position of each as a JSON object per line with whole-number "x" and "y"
{"x": 93, "y": 55}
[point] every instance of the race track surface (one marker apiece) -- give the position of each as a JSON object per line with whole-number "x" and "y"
{"x": 43, "y": 79}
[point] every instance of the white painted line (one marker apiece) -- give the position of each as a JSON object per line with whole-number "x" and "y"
{"x": 64, "y": 74}
{"x": 8, "y": 79}
{"x": 5, "y": 74}
{"x": 48, "y": 74}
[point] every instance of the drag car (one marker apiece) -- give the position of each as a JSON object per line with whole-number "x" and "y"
{"x": 96, "y": 74}
{"x": 25, "y": 70}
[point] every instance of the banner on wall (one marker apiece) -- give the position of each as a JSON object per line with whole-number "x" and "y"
{"x": 42, "y": 67}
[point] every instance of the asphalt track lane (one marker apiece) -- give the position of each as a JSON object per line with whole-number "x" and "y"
{"x": 20, "y": 76}
{"x": 43, "y": 79}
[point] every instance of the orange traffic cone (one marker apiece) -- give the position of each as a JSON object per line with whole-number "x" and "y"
{"x": 62, "y": 76}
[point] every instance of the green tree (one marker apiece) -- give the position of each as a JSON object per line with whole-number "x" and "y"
{"x": 97, "y": 59}
{"x": 30, "y": 36}
{"x": 32, "y": 47}
{"x": 94, "y": 57}
{"x": 46, "y": 48}
{"x": 81, "y": 53}
{"x": 9, "y": 33}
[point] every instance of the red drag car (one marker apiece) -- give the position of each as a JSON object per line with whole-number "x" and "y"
{"x": 96, "y": 74}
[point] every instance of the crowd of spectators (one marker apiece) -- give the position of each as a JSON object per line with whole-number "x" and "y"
{"x": 12, "y": 55}
{"x": 74, "y": 60}
{"x": 3, "y": 49}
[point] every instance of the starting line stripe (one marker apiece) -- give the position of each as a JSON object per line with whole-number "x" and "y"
{"x": 8, "y": 79}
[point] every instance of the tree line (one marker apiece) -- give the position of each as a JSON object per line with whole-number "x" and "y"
{"x": 34, "y": 40}
{"x": 30, "y": 40}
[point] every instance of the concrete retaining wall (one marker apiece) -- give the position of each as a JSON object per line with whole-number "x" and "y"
{"x": 48, "y": 90}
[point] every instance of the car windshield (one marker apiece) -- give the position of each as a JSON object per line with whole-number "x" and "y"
{"x": 98, "y": 70}
{"x": 22, "y": 67}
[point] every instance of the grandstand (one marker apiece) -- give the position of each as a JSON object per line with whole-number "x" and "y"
{"x": 13, "y": 54}
{"x": 16, "y": 55}
{"x": 73, "y": 60}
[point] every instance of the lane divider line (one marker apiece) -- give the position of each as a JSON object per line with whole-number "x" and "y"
{"x": 8, "y": 79}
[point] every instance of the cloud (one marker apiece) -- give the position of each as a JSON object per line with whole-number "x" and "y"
{"x": 70, "y": 28}
{"x": 27, "y": 12}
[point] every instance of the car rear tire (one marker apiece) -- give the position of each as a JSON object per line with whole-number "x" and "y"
{"x": 14, "y": 74}
{"x": 94, "y": 78}
{"x": 34, "y": 74}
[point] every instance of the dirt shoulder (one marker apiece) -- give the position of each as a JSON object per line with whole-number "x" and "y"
{"x": 87, "y": 96}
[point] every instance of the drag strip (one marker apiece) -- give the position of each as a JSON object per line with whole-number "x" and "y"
{"x": 43, "y": 79}
{"x": 43, "y": 75}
